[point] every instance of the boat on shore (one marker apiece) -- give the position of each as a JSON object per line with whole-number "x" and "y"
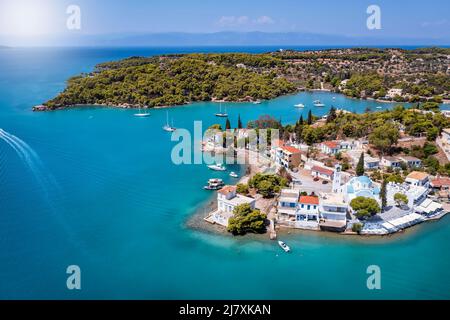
{"x": 284, "y": 246}
{"x": 318, "y": 103}
{"x": 217, "y": 167}
{"x": 214, "y": 184}
{"x": 299, "y": 105}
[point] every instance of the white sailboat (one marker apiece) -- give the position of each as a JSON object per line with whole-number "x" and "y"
{"x": 141, "y": 114}
{"x": 167, "y": 127}
{"x": 220, "y": 113}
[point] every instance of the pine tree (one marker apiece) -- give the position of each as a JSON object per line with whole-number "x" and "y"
{"x": 331, "y": 115}
{"x": 383, "y": 195}
{"x": 310, "y": 118}
{"x": 301, "y": 121}
{"x": 239, "y": 122}
{"x": 360, "y": 166}
{"x": 228, "y": 124}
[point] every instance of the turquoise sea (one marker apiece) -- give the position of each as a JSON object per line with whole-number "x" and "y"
{"x": 96, "y": 187}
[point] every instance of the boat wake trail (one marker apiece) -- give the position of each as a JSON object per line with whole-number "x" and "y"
{"x": 45, "y": 180}
{"x": 31, "y": 160}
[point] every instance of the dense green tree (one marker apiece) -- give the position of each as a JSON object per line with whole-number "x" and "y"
{"x": 360, "y": 165}
{"x": 365, "y": 207}
{"x": 384, "y": 136}
{"x": 242, "y": 188}
{"x": 310, "y": 117}
{"x": 246, "y": 219}
{"x": 267, "y": 184}
{"x": 400, "y": 199}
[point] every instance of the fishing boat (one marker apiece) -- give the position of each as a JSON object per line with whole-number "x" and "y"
{"x": 141, "y": 114}
{"x": 300, "y": 105}
{"x": 284, "y": 246}
{"x": 167, "y": 127}
{"x": 220, "y": 113}
{"x": 317, "y": 103}
{"x": 217, "y": 167}
{"x": 214, "y": 184}
{"x": 234, "y": 174}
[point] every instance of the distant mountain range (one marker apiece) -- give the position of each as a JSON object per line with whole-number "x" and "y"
{"x": 219, "y": 39}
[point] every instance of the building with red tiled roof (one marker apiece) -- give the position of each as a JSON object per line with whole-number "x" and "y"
{"x": 309, "y": 200}
{"x": 286, "y": 156}
{"x": 440, "y": 183}
{"x": 322, "y": 172}
{"x": 330, "y": 147}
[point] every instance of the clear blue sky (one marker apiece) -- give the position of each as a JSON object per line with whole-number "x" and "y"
{"x": 400, "y": 18}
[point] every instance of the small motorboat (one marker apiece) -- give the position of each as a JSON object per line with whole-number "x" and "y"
{"x": 257, "y": 102}
{"x": 284, "y": 246}
{"x": 379, "y": 107}
{"x": 233, "y": 174}
{"x": 317, "y": 103}
{"x": 300, "y": 105}
{"x": 214, "y": 184}
{"x": 217, "y": 167}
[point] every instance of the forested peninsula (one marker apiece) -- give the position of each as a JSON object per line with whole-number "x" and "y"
{"x": 400, "y": 75}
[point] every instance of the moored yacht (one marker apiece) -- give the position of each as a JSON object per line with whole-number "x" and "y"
{"x": 299, "y": 105}
{"x": 317, "y": 103}
{"x": 220, "y": 113}
{"x": 214, "y": 184}
{"x": 167, "y": 127}
{"x": 217, "y": 167}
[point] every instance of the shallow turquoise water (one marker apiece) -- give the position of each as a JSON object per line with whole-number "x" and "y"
{"x": 102, "y": 193}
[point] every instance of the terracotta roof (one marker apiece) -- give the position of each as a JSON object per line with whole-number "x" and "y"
{"x": 290, "y": 149}
{"x": 323, "y": 170}
{"x": 331, "y": 144}
{"x": 309, "y": 200}
{"x": 417, "y": 175}
{"x": 227, "y": 189}
{"x": 440, "y": 182}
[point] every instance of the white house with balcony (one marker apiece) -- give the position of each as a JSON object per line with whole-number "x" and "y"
{"x": 227, "y": 201}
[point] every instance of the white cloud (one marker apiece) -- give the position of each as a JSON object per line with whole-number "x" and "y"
{"x": 264, "y": 20}
{"x": 243, "y": 21}
{"x": 442, "y": 22}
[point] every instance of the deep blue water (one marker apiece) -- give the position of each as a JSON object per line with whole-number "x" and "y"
{"x": 96, "y": 187}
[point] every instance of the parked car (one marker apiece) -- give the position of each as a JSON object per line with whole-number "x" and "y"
{"x": 316, "y": 179}
{"x": 324, "y": 182}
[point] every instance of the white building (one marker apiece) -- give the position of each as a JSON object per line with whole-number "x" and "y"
{"x": 322, "y": 173}
{"x": 415, "y": 194}
{"x": 287, "y": 204}
{"x": 333, "y": 211}
{"x": 412, "y": 162}
{"x": 227, "y": 201}
{"x": 330, "y": 147}
{"x": 391, "y": 162}
{"x": 361, "y": 186}
{"x": 392, "y": 93}
{"x": 417, "y": 178}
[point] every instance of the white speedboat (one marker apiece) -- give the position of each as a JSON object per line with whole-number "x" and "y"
{"x": 379, "y": 107}
{"x": 284, "y": 246}
{"x": 317, "y": 103}
{"x": 257, "y": 102}
{"x": 300, "y": 105}
{"x": 217, "y": 167}
{"x": 233, "y": 174}
{"x": 220, "y": 113}
{"x": 142, "y": 114}
{"x": 167, "y": 127}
